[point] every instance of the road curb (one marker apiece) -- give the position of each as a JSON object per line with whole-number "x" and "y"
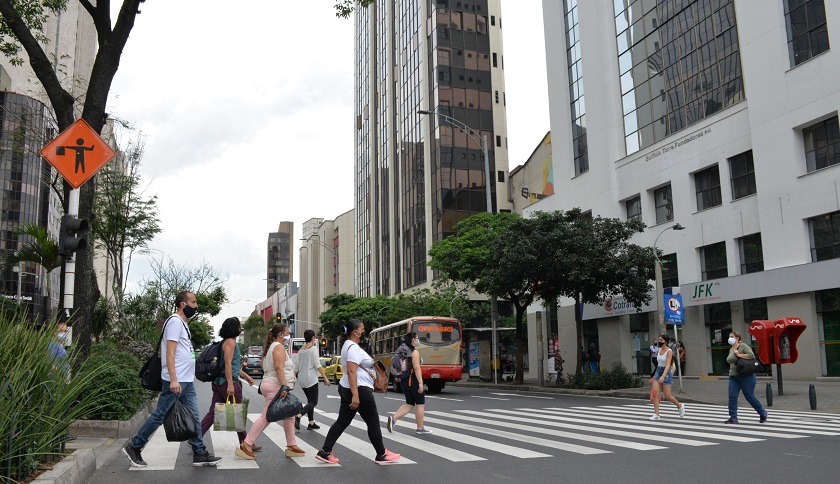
{"x": 76, "y": 468}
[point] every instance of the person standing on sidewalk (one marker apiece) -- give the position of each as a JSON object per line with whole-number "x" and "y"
{"x": 279, "y": 374}
{"x": 178, "y": 375}
{"x": 309, "y": 367}
{"x": 356, "y": 392}
{"x": 593, "y": 356}
{"x": 663, "y": 378}
{"x": 737, "y": 383}
{"x": 411, "y": 382}
{"x": 228, "y": 384}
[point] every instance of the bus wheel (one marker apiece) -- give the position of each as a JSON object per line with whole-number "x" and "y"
{"x": 435, "y": 386}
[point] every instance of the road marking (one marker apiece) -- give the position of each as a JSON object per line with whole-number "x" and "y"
{"x": 425, "y": 445}
{"x": 443, "y": 398}
{"x": 492, "y": 398}
{"x": 362, "y": 447}
{"x": 397, "y": 399}
{"x": 159, "y": 453}
{"x": 809, "y": 414}
{"x": 278, "y": 435}
{"x": 578, "y": 449}
{"x": 491, "y": 418}
{"x": 520, "y": 395}
{"x": 805, "y": 421}
{"x": 224, "y": 445}
{"x": 333, "y": 396}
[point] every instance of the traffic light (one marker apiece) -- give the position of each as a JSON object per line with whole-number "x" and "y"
{"x": 279, "y": 318}
{"x": 323, "y": 342}
{"x": 70, "y": 238}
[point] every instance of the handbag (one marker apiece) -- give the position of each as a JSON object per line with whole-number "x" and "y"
{"x": 179, "y": 423}
{"x": 150, "y": 373}
{"x": 230, "y": 416}
{"x": 746, "y": 367}
{"x": 283, "y": 408}
{"x": 380, "y": 380}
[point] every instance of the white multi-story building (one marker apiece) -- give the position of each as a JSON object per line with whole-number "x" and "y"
{"x": 719, "y": 115}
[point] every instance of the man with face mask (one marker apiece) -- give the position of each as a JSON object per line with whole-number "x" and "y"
{"x": 178, "y": 375}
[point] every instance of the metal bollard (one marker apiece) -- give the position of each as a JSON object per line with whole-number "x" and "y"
{"x": 812, "y": 396}
{"x": 769, "y": 395}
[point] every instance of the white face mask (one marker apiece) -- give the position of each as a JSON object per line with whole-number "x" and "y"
{"x": 62, "y": 337}
{"x": 287, "y": 338}
{"x": 732, "y": 340}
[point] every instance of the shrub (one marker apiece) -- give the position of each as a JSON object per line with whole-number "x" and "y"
{"x": 615, "y": 378}
{"x": 119, "y": 384}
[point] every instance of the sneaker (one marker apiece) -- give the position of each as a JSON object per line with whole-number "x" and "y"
{"x": 423, "y": 431}
{"x": 244, "y": 453}
{"x": 205, "y": 460}
{"x": 763, "y": 417}
{"x": 297, "y": 423}
{"x": 731, "y": 421}
{"x": 327, "y": 457}
{"x": 294, "y": 451}
{"x": 682, "y": 410}
{"x": 313, "y": 426}
{"x": 654, "y": 417}
{"x": 133, "y": 455}
{"x": 387, "y": 458}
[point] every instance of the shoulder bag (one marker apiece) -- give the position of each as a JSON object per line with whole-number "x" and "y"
{"x": 744, "y": 367}
{"x": 150, "y": 373}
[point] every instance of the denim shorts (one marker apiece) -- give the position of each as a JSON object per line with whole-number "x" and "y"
{"x": 669, "y": 380}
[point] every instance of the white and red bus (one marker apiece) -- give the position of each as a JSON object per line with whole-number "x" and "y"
{"x": 439, "y": 347}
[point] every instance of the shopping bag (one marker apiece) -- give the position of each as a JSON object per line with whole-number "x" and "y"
{"x": 230, "y": 416}
{"x": 283, "y": 408}
{"x": 179, "y": 423}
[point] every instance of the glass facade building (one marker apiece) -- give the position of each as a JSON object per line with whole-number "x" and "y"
{"x": 280, "y": 257}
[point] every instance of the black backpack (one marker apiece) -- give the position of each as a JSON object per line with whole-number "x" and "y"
{"x": 208, "y": 365}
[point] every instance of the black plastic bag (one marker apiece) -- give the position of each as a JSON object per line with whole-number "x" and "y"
{"x": 283, "y": 408}
{"x": 179, "y": 423}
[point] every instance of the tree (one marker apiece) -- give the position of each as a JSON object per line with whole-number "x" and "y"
{"x": 489, "y": 253}
{"x": 255, "y": 328}
{"x": 37, "y": 248}
{"x": 124, "y": 221}
{"x": 21, "y": 26}
{"x": 589, "y": 259}
{"x": 343, "y": 8}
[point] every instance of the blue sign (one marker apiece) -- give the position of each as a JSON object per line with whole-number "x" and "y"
{"x": 674, "y": 312}
{"x": 473, "y": 356}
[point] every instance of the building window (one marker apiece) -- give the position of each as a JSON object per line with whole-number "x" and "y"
{"x": 806, "y": 29}
{"x": 828, "y": 311}
{"x": 743, "y": 175}
{"x": 492, "y": 20}
{"x": 499, "y": 141}
{"x": 821, "y": 144}
{"x": 495, "y": 60}
{"x": 713, "y": 261}
{"x": 578, "y": 106}
{"x": 825, "y": 236}
{"x": 752, "y": 256}
{"x": 670, "y": 275}
{"x": 755, "y": 309}
{"x": 664, "y": 204}
{"x": 634, "y": 208}
{"x": 707, "y": 185}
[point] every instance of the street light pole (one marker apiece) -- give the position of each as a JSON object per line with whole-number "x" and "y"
{"x": 19, "y": 274}
{"x": 481, "y": 140}
{"x": 660, "y": 298}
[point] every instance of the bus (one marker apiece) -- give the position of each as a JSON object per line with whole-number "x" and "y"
{"x": 440, "y": 348}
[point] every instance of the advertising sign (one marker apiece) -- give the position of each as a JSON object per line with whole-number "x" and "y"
{"x": 674, "y": 312}
{"x": 473, "y": 356}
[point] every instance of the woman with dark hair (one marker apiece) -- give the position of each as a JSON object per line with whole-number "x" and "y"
{"x": 228, "y": 384}
{"x": 664, "y": 378}
{"x": 308, "y": 369}
{"x": 411, "y": 382}
{"x": 738, "y": 384}
{"x": 356, "y": 392}
{"x": 279, "y": 377}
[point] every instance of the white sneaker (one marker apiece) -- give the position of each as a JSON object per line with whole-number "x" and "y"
{"x": 682, "y": 410}
{"x": 654, "y": 417}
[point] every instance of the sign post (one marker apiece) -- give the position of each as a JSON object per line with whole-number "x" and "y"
{"x": 77, "y": 153}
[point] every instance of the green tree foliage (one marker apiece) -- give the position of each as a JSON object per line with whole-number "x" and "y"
{"x": 36, "y": 247}
{"x": 255, "y": 328}
{"x": 201, "y": 333}
{"x": 343, "y": 8}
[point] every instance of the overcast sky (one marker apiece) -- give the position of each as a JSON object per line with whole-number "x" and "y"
{"x": 248, "y": 118}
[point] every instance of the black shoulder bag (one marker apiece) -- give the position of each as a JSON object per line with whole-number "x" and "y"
{"x": 150, "y": 374}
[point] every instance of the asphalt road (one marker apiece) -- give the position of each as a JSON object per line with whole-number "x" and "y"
{"x": 503, "y": 436}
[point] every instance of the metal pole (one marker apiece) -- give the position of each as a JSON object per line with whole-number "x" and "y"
{"x": 677, "y": 356}
{"x": 660, "y": 295}
{"x": 487, "y": 174}
{"x": 70, "y": 263}
{"x": 494, "y": 313}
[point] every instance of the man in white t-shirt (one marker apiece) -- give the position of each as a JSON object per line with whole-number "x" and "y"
{"x": 178, "y": 374}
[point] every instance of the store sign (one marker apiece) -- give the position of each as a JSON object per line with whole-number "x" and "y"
{"x": 14, "y": 297}
{"x": 613, "y": 306}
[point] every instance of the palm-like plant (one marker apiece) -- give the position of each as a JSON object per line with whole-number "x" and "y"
{"x": 38, "y": 248}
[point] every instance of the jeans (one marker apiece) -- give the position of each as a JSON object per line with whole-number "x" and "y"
{"x": 269, "y": 389}
{"x": 165, "y": 402}
{"x": 311, "y": 401}
{"x": 593, "y": 366}
{"x": 744, "y": 384}
{"x": 220, "y": 396}
{"x": 367, "y": 409}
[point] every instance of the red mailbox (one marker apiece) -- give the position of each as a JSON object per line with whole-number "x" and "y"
{"x": 777, "y": 339}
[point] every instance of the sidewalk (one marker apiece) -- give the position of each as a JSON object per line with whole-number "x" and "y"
{"x": 710, "y": 390}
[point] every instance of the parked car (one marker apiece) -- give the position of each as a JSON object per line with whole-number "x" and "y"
{"x": 253, "y": 366}
{"x": 332, "y": 368}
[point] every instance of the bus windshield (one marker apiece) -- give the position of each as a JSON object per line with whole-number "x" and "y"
{"x": 437, "y": 333}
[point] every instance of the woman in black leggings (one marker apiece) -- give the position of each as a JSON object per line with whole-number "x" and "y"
{"x": 356, "y": 391}
{"x": 308, "y": 369}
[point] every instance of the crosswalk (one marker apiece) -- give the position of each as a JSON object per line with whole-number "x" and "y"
{"x": 469, "y": 435}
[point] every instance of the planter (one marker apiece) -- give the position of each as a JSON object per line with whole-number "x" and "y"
{"x": 112, "y": 429}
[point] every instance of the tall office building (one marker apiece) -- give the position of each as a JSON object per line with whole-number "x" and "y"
{"x": 417, "y": 175}
{"x": 280, "y": 266}
{"x": 719, "y": 115}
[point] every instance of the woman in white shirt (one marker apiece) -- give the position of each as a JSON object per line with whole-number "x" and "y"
{"x": 308, "y": 370}
{"x": 356, "y": 391}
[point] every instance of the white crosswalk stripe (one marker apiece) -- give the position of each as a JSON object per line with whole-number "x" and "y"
{"x": 224, "y": 445}
{"x": 277, "y": 434}
{"x": 159, "y": 453}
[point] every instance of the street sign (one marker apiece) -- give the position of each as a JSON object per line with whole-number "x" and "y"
{"x": 674, "y": 313}
{"x": 77, "y": 153}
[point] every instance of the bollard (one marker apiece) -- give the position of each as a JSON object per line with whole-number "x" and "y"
{"x": 769, "y": 395}
{"x": 812, "y": 396}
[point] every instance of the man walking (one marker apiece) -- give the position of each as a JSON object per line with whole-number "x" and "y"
{"x": 178, "y": 375}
